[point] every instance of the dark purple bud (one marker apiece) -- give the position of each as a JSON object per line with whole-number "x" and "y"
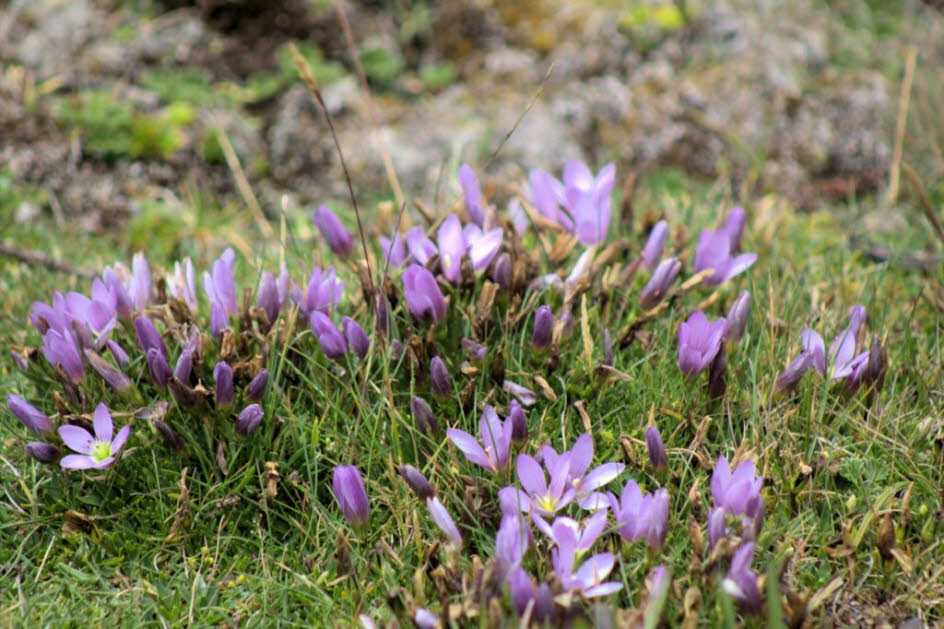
{"x": 422, "y": 294}
{"x": 332, "y": 342}
{"x": 501, "y": 272}
{"x": 736, "y": 319}
{"x": 109, "y": 373}
{"x": 351, "y": 494}
{"x": 873, "y": 375}
{"x": 257, "y": 386}
{"x": 160, "y": 370}
{"x": 543, "y": 327}
{"x": 32, "y": 417}
{"x": 716, "y": 527}
{"x": 607, "y": 348}
{"x": 119, "y": 354}
{"x": 519, "y": 423}
{"x": 416, "y": 481}
{"x": 269, "y": 296}
{"x": 43, "y": 452}
{"x": 356, "y": 338}
{"x": 332, "y": 230}
{"x": 440, "y": 381}
{"x": 148, "y": 336}
{"x": 223, "y": 376}
{"x": 717, "y": 374}
{"x": 249, "y": 419}
{"x": 423, "y": 416}
{"x": 184, "y": 366}
{"x": 475, "y": 350}
{"x": 791, "y": 376}
{"x": 658, "y": 285}
{"x": 657, "y": 455}
{"x": 171, "y": 439}
{"x": 382, "y": 314}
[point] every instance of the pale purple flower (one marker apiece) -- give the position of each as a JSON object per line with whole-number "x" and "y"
{"x": 109, "y": 373}
{"x": 483, "y": 246}
{"x": 356, "y": 338}
{"x": 184, "y": 366}
{"x": 496, "y": 439}
{"x": 537, "y": 495}
{"x": 32, "y": 417}
{"x": 269, "y": 299}
{"x": 652, "y": 252}
{"x": 61, "y": 348}
{"x": 589, "y": 578}
{"x": 218, "y": 320}
{"x": 586, "y": 535}
{"x": 223, "y": 377}
{"x": 523, "y": 593}
{"x": 43, "y": 452}
{"x": 182, "y": 283}
{"x": 416, "y": 481}
{"x": 148, "y": 336}
{"x": 425, "y": 619}
{"x": 587, "y": 198}
{"x": 502, "y": 272}
{"x": 420, "y": 247}
{"x": 511, "y": 543}
{"x": 658, "y": 285}
{"x": 717, "y": 526}
{"x": 330, "y": 338}
{"x": 543, "y": 327}
{"x": 393, "y": 250}
{"x": 472, "y": 195}
{"x": 656, "y": 449}
{"x": 219, "y": 284}
{"x": 843, "y": 361}
{"x": 714, "y": 251}
{"x": 95, "y": 451}
{"x": 139, "y": 284}
{"x": 439, "y": 379}
{"x": 256, "y": 388}
{"x": 741, "y": 582}
{"x": 323, "y": 292}
{"x": 422, "y": 294}
{"x": 121, "y": 356}
{"x": 523, "y": 394}
{"x": 585, "y": 483}
{"x": 452, "y": 246}
{"x": 546, "y": 194}
{"x": 699, "y": 342}
{"x": 350, "y": 493}
{"x": 157, "y": 365}
{"x": 737, "y": 493}
{"x": 736, "y": 319}
{"x": 734, "y": 227}
{"x": 475, "y": 349}
{"x": 642, "y": 516}
{"x": 443, "y": 520}
{"x": 518, "y": 217}
{"x": 333, "y": 231}
{"x": 249, "y": 419}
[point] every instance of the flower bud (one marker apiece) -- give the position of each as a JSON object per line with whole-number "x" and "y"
{"x": 160, "y": 370}
{"x": 736, "y": 319}
{"x": 416, "y": 481}
{"x": 657, "y": 455}
{"x": 422, "y": 294}
{"x": 717, "y": 374}
{"x": 524, "y": 395}
{"x": 249, "y": 419}
{"x": 356, "y": 338}
{"x": 109, "y": 373}
{"x": 32, "y": 417}
{"x": 43, "y": 452}
{"x": 716, "y": 527}
{"x": 423, "y": 416}
{"x": 501, "y": 272}
{"x": 332, "y": 342}
{"x": 257, "y": 386}
{"x": 652, "y": 252}
{"x": 351, "y": 494}
{"x": 148, "y": 336}
{"x": 119, "y": 354}
{"x": 519, "y": 422}
{"x": 218, "y": 320}
{"x": 333, "y": 231}
{"x": 543, "y": 327}
{"x": 223, "y": 376}
{"x": 474, "y": 349}
{"x": 269, "y": 296}
{"x": 440, "y": 381}
{"x": 658, "y": 285}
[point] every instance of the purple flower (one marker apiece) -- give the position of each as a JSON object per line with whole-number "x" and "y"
{"x": 182, "y": 284}
{"x": 524, "y": 395}
{"x": 519, "y": 422}
{"x": 523, "y": 593}
{"x": 223, "y": 377}
{"x": 43, "y": 452}
{"x": 416, "y": 481}
{"x": 422, "y": 294}
{"x": 588, "y": 579}
{"x": 332, "y": 342}
{"x": 425, "y": 619}
{"x": 734, "y": 226}
{"x": 423, "y": 416}
{"x": 537, "y": 495}
{"x": 642, "y": 516}
{"x": 741, "y": 582}
{"x": 332, "y": 230}
{"x": 546, "y": 194}
{"x": 109, "y": 373}
{"x": 586, "y": 536}
{"x": 157, "y": 365}
{"x": 269, "y": 299}
{"x": 351, "y": 495}
{"x": 443, "y": 520}
{"x": 496, "y": 438}
{"x": 219, "y": 284}
{"x": 421, "y": 248}
{"x": 578, "y": 460}
{"x": 257, "y": 386}
{"x": 588, "y": 200}
{"x": 475, "y": 349}
{"x": 843, "y": 359}
{"x": 139, "y": 284}
{"x": 699, "y": 342}
{"x": 148, "y": 336}
{"x": 502, "y": 272}
{"x": 452, "y": 246}
{"x": 483, "y": 246}
{"x": 736, "y": 319}
{"x": 184, "y": 365}
{"x": 658, "y": 285}
{"x": 249, "y": 419}
{"x": 715, "y": 249}
{"x": 717, "y": 527}
{"x": 356, "y": 338}
{"x": 95, "y": 451}
{"x": 652, "y": 252}
{"x": 511, "y": 543}
{"x": 518, "y": 217}
{"x": 121, "y": 356}
{"x": 655, "y": 447}
{"x": 323, "y": 292}
{"x": 32, "y": 417}
{"x": 440, "y": 381}
{"x": 393, "y": 250}
{"x": 737, "y": 493}
{"x": 543, "y": 327}
{"x": 218, "y": 320}
{"x": 472, "y": 195}
{"x": 61, "y": 348}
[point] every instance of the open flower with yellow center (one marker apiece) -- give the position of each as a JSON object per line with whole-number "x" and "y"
{"x": 95, "y": 451}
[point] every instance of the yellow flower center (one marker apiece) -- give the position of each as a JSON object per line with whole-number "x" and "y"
{"x": 546, "y": 503}
{"x": 100, "y": 451}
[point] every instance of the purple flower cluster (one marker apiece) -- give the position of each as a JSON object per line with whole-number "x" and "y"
{"x": 580, "y": 204}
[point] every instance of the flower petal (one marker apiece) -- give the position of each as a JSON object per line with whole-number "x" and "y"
{"x": 79, "y": 439}
{"x": 120, "y": 439}
{"x": 77, "y": 462}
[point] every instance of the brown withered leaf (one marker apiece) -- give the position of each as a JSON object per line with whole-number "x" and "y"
{"x": 629, "y": 450}
{"x": 545, "y": 388}
{"x": 182, "y": 510}
{"x": 584, "y": 416}
{"x": 221, "y": 458}
{"x": 228, "y": 346}
{"x": 271, "y": 476}
{"x": 886, "y": 537}
{"x": 76, "y": 523}
{"x": 248, "y": 369}
{"x": 484, "y": 305}
{"x": 691, "y": 603}
{"x": 158, "y": 411}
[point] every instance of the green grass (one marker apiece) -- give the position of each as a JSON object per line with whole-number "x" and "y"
{"x": 224, "y": 555}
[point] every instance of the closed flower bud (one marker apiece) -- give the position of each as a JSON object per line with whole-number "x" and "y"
{"x": 148, "y": 336}
{"x": 873, "y": 374}
{"x": 332, "y": 342}
{"x": 32, "y": 417}
{"x": 351, "y": 494}
{"x": 184, "y": 366}
{"x": 257, "y": 386}
{"x": 119, "y": 354}
{"x": 416, "y": 481}
{"x": 652, "y": 252}
{"x": 736, "y": 319}
{"x": 109, "y": 373}
{"x": 423, "y": 416}
{"x": 716, "y": 527}
{"x": 269, "y": 296}
{"x": 501, "y": 272}
{"x": 440, "y": 381}
{"x": 43, "y": 452}
{"x": 658, "y": 285}
{"x": 171, "y": 439}
{"x": 160, "y": 370}
{"x": 333, "y": 231}
{"x": 717, "y": 375}
{"x": 249, "y": 419}
{"x": 543, "y": 327}
{"x": 657, "y": 455}
{"x": 422, "y": 294}
{"x": 223, "y": 376}
{"x": 356, "y": 338}
{"x": 524, "y": 395}
{"x": 519, "y": 422}
{"x": 218, "y": 320}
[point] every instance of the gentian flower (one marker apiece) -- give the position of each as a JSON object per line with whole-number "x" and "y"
{"x": 421, "y": 248}
{"x": 523, "y": 593}
{"x": 32, "y": 417}
{"x": 393, "y": 250}
{"x": 356, "y": 338}
{"x": 656, "y": 449}
{"x": 736, "y": 493}
{"x": 43, "y": 452}
{"x": 472, "y": 195}
{"x": 60, "y": 348}
{"x": 249, "y": 419}
{"x": 587, "y": 198}
{"x": 736, "y": 319}
{"x": 502, "y": 273}
{"x": 109, "y": 373}
{"x": 443, "y": 520}
{"x": 269, "y": 299}
{"x": 523, "y": 394}
{"x": 182, "y": 284}
{"x": 425, "y": 619}
{"x": 658, "y": 285}
{"x": 537, "y": 495}
{"x": 715, "y": 249}
{"x": 332, "y": 342}
{"x": 148, "y": 336}
{"x": 588, "y": 579}
{"x": 184, "y": 366}
{"x": 652, "y": 252}
{"x": 416, "y": 481}
{"x": 642, "y": 516}
{"x": 511, "y": 543}
{"x": 741, "y": 582}
{"x": 546, "y": 194}
{"x": 121, "y": 356}
{"x": 256, "y": 388}
{"x": 483, "y": 246}
{"x": 422, "y": 294}
{"x": 439, "y": 379}
{"x": 452, "y": 246}
{"x": 519, "y": 422}
{"x": 351, "y": 495}
{"x": 518, "y": 217}
{"x": 584, "y": 483}
{"x": 543, "y": 327}
{"x": 131, "y": 289}
{"x": 157, "y": 365}
{"x": 95, "y": 451}
{"x": 496, "y": 438}
{"x": 223, "y": 377}
{"x": 699, "y": 342}
{"x": 219, "y": 284}
{"x": 843, "y": 359}
{"x": 333, "y": 231}
{"x": 586, "y": 536}
{"x": 423, "y": 416}
{"x": 323, "y": 292}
